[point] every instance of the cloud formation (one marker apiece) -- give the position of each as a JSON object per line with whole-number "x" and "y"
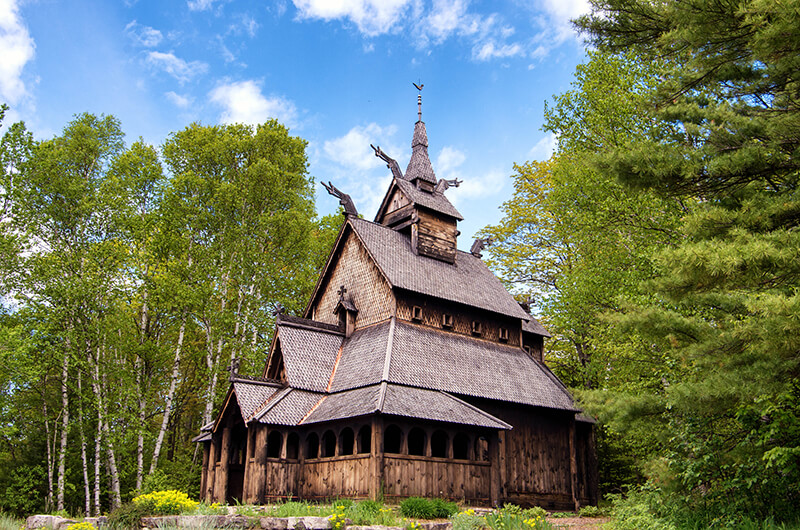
{"x": 178, "y": 68}
{"x": 143, "y": 35}
{"x": 178, "y": 100}
{"x": 353, "y": 149}
{"x": 243, "y": 102}
{"x": 16, "y": 49}
{"x": 488, "y": 36}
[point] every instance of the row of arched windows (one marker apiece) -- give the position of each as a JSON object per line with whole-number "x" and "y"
{"x": 417, "y": 441}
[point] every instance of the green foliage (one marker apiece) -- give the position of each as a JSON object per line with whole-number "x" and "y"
{"x": 8, "y": 522}
{"x": 512, "y": 517}
{"x": 170, "y": 502}
{"x": 128, "y": 515}
{"x": 421, "y": 508}
{"x": 371, "y": 513}
{"x": 81, "y": 526}
{"x": 467, "y": 520}
{"x": 299, "y": 509}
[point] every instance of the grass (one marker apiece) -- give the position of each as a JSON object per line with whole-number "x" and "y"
{"x": 9, "y": 522}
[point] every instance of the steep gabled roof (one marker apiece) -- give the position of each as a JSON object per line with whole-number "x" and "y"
{"x": 467, "y": 281}
{"x": 419, "y": 166}
{"x": 435, "y": 200}
{"x": 252, "y": 396}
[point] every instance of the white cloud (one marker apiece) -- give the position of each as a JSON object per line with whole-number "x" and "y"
{"x": 176, "y": 67}
{"x": 477, "y": 186}
{"x": 243, "y": 102}
{"x": 490, "y": 50}
{"x": 558, "y": 16}
{"x": 16, "y": 49}
{"x": 143, "y": 35}
{"x": 178, "y": 100}
{"x": 353, "y": 149}
{"x": 246, "y": 24}
{"x": 544, "y": 148}
{"x": 372, "y": 17}
{"x": 448, "y": 159}
{"x": 200, "y": 5}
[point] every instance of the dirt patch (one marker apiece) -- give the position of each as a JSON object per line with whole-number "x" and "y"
{"x": 578, "y": 523}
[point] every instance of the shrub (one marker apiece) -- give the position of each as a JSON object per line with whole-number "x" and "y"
{"x": 169, "y": 502}
{"x": 127, "y": 516}
{"x": 81, "y": 526}
{"x": 419, "y": 508}
{"x": 467, "y": 520}
{"x": 371, "y": 513}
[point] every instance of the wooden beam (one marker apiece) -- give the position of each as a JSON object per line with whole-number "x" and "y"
{"x": 573, "y": 465}
{"x": 377, "y": 474}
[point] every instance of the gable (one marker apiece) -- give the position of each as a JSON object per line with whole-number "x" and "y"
{"x": 351, "y": 266}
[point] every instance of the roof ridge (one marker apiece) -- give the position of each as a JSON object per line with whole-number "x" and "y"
{"x": 387, "y": 359}
{"x": 307, "y": 323}
{"x": 255, "y": 380}
{"x": 271, "y": 402}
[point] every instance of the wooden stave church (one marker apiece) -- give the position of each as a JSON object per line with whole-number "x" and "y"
{"x": 383, "y": 388}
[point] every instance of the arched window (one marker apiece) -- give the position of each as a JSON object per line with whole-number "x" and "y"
{"x": 365, "y": 439}
{"x": 439, "y": 441}
{"x": 328, "y": 444}
{"x": 392, "y": 439}
{"x": 274, "y": 444}
{"x": 461, "y": 446}
{"x": 416, "y": 441}
{"x": 312, "y": 445}
{"x": 292, "y": 446}
{"x": 482, "y": 449}
{"x": 346, "y": 441}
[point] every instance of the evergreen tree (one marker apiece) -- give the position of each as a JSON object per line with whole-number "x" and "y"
{"x": 726, "y": 132}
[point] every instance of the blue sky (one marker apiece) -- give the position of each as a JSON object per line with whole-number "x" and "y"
{"x": 337, "y": 72}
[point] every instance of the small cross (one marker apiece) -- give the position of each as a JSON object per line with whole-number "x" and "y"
{"x": 341, "y": 292}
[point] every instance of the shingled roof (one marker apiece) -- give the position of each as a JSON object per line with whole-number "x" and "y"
{"x": 417, "y": 356}
{"x": 403, "y": 269}
{"x": 419, "y": 166}
{"x": 309, "y": 354}
{"x": 434, "y": 200}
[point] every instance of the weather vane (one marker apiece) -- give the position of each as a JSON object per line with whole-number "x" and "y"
{"x": 419, "y": 99}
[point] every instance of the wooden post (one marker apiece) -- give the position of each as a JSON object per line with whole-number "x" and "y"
{"x": 208, "y": 494}
{"x": 221, "y": 482}
{"x": 573, "y": 465}
{"x": 495, "y": 481}
{"x": 204, "y": 475}
{"x": 376, "y": 483}
{"x": 260, "y": 449}
{"x": 502, "y": 448}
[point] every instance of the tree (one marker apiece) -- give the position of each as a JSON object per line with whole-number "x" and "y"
{"x": 724, "y": 131}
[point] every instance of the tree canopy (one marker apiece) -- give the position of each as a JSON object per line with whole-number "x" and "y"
{"x": 132, "y": 278}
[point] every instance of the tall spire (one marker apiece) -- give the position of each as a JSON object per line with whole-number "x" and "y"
{"x": 420, "y": 170}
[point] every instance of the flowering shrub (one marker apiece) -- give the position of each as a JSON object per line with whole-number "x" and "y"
{"x": 81, "y": 526}
{"x": 338, "y": 519}
{"x": 169, "y": 502}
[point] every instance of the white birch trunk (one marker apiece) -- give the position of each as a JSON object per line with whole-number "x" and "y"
{"x": 84, "y": 463}
{"x": 173, "y": 385}
{"x": 62, "y": 451}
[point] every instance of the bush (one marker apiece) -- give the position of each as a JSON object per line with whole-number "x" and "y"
{"x": 170, "y": 502}
{"x": 467, "y": 520}
{"x": 419, "y": 508}
{"x": 81, "y": 526}
{"x": 127, "y": 516}
{"x": 371, "y": 513}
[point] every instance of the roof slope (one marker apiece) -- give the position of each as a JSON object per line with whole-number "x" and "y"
{"x": 463, "y": 365}
{"x": 406, "y": 270}
{"x": 419, "y": 166}
{"x": 309, "y": 355}
{"x": 435, "y": 200}
{"x": 252, "y": 396}
{"x": 422, "y": 357}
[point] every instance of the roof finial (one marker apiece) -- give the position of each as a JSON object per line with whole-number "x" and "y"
{"x": 419, "y": 100}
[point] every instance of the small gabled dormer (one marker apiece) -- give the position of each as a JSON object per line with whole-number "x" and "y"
{"x": 415, "y": 203}
{"x": 347, "y": 312}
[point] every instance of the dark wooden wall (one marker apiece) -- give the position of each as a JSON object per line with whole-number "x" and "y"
{"x": 547, "y": 459}
{"x": 433, "y": 311}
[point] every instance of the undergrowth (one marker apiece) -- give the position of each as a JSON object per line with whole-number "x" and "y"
{"x": 9, "y": 522}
